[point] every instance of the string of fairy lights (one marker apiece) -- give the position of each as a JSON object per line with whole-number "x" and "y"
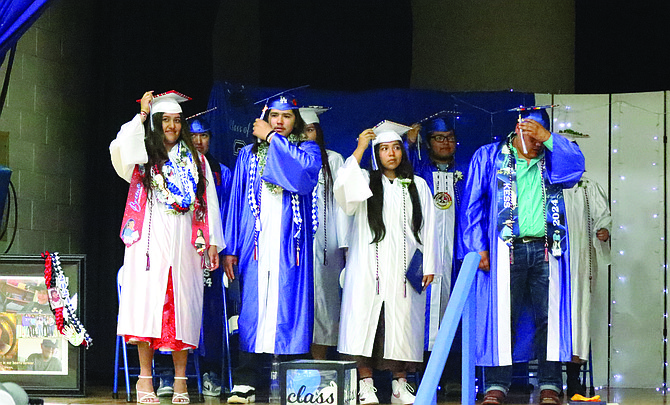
{"x": 622, "y": 179}
{"x": 619, "y": 178}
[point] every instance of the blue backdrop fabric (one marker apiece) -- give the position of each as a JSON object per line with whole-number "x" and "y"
{"x": 16, "y": 16}
{"x": 483, "y": 117}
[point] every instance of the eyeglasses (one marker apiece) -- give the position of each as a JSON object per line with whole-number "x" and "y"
{"x": 442, "y": 138}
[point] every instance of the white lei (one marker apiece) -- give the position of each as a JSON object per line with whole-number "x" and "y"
{"x": 177, "y": 183}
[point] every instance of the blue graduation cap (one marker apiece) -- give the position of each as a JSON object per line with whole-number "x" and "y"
{"x": 280, "y": 101}
{"x": 198, "y": 123}
{"x": 536, "y": 113}
{"x": 438, "y": 123}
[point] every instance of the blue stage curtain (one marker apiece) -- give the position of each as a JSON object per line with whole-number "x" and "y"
{"x": 483, "y": 115}
{"x": 16, "y": 16}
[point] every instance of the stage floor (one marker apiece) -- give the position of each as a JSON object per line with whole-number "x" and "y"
{"x": 103, "y": 395}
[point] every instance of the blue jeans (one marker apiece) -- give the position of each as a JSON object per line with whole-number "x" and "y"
{"x": 529, "y": 274}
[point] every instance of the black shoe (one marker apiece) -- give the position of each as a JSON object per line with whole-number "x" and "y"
{"x": 575, "y": 388}
{"x": 572, "y": 380}
{"x": 242, "y": 394}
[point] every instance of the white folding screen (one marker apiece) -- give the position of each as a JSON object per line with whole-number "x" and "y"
{"x": 637, "y": 286}
{"x": 627, "y": 131}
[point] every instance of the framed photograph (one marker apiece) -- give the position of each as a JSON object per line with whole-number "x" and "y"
{"x": 33, "y": 353}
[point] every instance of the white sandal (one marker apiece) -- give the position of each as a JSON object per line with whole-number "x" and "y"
{"x": 179, "y": 398}
{"x": 146, "y": 397}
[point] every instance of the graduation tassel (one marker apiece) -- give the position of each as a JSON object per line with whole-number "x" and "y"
{"x": 325, "y": 258}
{"x": 546, "y": 253}
{"x": 511, "y": 255}
{"x": 297, "y": 255}
{"x": 377, "y": 278}
{"x": 148, "y": 262}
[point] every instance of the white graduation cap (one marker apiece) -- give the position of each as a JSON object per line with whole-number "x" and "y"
{"x": 167, "y": 102}
{"x": 386, "y": 131}
{"x": 311, "y": 114}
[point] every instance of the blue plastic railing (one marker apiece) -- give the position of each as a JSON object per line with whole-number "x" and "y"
{"x": 461, "y": 303}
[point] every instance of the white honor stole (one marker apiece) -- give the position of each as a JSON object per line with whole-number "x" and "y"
{"x": 445, "y": 217}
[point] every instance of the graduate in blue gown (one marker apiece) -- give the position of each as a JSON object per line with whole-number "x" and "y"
{"x": 211, "y": 343}
{"x": 270, "y": 227}
{"x": 521, "y": 272}
{"x": 446, "y": 179}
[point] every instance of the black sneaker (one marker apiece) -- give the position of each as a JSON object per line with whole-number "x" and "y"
{"x": 242, "y": 394}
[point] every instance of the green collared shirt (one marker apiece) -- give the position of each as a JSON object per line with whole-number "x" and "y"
{"x": 530, "y": 197}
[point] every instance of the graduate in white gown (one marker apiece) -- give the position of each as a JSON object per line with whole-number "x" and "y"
{"x": 589, "y": 224}
{"x": 382, "y": 318}
{"x": 329, "y": 240}
{"x": 173, "y": 208}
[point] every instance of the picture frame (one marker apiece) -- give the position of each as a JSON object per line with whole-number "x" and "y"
{"x": 33, "y": 353}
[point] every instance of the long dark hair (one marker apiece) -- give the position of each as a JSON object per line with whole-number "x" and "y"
{"x": 298, "y": 126}
{"x": 376, "y": 202}
{"x": 325, "y": 165}
{"x": 153, "y": 141}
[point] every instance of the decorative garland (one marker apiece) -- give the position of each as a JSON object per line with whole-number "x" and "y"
{"x": 257, "y": 166}
{"x": 177, "y": 182}
{"x": 263, "y": 156}
{"x": 66, "y": 320}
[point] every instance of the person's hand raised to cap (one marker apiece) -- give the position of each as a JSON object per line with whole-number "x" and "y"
{"x": 363, "y": 141}
{"x": 413, "y": 134}
{"x": 533, "y": 129}
{"x": 262, "y": 129}
{"x": 145, "y": 104}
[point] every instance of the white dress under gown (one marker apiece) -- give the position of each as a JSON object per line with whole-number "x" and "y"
{"x": 330, "y": 235}
{"x": 587, "y": 211}
{"x": 404, "y": 308}
{"x": 143, "y": 292}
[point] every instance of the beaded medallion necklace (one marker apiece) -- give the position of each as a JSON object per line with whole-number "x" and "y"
{"x": 67, "y": 322}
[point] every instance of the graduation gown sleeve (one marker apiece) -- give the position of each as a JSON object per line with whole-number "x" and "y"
{"x": 352, "y": 186}
{"x": 294, "y": 168}
{"x": 128, "y": 149}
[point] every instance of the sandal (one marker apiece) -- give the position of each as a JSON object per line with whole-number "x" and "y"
{"x": 549, "y": 397}
{"x": 181, "y": 397}
{"x": 494, "y": 397}
{"x": 146, "y": 397}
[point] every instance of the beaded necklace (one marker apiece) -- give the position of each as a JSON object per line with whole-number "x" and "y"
{"x": 589, "y": 229}
{"x": 511, "y": 168}
{"x": 315, "y": 215}
{"x": 67, "y": 322}
{"x": 256, "y": 167}
{"x": 404, "y": 183}
{"x": 403, "y": 189}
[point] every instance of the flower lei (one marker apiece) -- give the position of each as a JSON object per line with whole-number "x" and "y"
{"x": 263, "y": 156}
{"x": 257, "y": 166}
{"x": 66, "y": 320}
{"x": 177, "y": 182}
